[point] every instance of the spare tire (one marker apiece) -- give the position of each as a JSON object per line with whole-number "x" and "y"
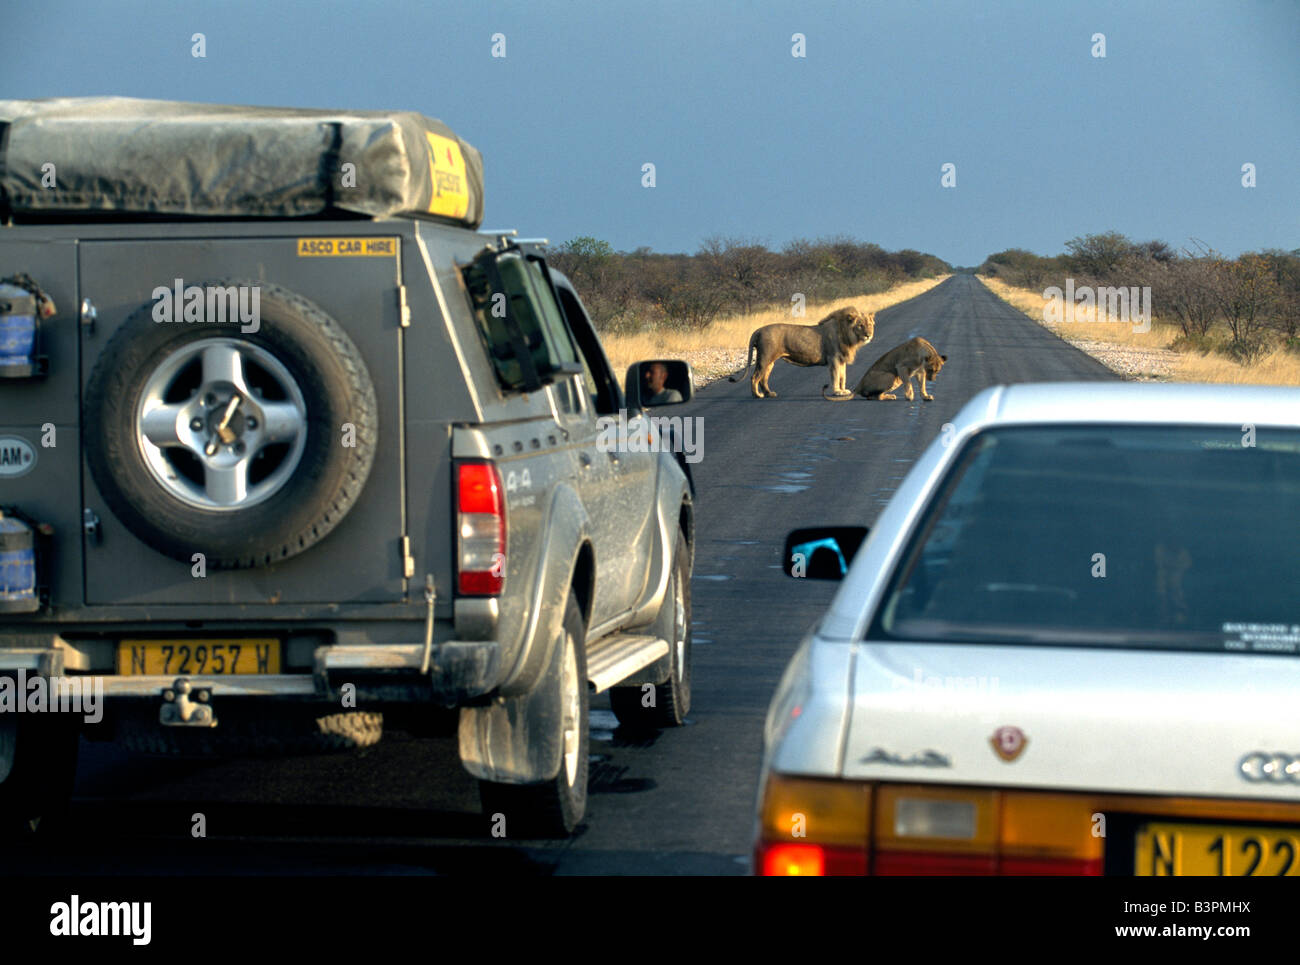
{"x": 251, "y": 731}
{"x": 247, "y": 444}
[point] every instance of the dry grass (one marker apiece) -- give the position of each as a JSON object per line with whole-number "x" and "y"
{"x": 1121, "y": 333}
{"x": 1277, "y": 368}
{"x": 713, "y": 349}
{"x": 1110, "y": 341}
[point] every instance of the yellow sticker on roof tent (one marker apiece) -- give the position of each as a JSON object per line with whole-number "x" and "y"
{"x": 347, "y": 247}
{"x": 447, "y": 172}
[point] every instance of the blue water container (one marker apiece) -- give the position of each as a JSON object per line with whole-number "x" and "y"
{"x": 18, "y": 591}
{"x": 19, "y": 334}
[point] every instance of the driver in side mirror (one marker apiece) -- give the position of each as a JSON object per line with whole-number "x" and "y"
{"x": 659, "y": 382}
{"x": 654, "y": 385}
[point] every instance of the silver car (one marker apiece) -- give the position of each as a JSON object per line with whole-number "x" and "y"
{"x": 1069, "y": 645}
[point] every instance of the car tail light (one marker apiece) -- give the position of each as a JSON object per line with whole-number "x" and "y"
{"x": 934, "y": 830}
{"x": 480, "y": 528}
{"x": 851, "y": 827}
{"x": 1051, "y": 834}
{"x": 790, "y": 860}
{"x": 813, "y": 827}
{"x": 919, "y": 863}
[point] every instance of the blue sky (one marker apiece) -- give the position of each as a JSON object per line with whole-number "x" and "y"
{"x": 1048, "y": 141}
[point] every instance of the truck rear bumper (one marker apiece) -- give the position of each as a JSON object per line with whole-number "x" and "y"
{"x": 40, "y": 661}
{"x": 458, "y": 671}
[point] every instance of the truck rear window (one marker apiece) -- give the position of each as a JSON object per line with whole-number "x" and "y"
{"x": 532, "y": 307}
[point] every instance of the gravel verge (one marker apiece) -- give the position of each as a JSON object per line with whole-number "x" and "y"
{"x": 1133, "y": 364}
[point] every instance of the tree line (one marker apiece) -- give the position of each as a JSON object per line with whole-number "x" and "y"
{"x": 627, "y": 292}
{"x": 1243, "y": 307}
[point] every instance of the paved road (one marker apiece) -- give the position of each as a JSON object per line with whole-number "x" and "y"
{"x": 681, "y": 802}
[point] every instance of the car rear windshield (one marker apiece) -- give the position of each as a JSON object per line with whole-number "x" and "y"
{"x": 1147, "y": 536}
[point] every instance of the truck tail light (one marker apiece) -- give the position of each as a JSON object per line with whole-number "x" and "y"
{"x": 480, "y": 529}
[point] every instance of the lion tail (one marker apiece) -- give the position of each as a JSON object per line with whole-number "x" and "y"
{"x": 751, "y": 357}
{"x": 835, "y": 398}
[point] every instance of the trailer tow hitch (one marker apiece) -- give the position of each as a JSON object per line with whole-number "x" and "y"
{"x": 180, "y": 710}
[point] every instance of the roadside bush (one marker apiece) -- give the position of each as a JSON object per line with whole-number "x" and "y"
{"x": 1247, "y": 295}
{"x": 1182, "y": 291}
{"x": 690, "y": 307}
{"x": 1201, "y": 344}
{"x": 1285, "y": 267}
{"x": 1096, "y": 255}
{"x": 1247, "y": 351}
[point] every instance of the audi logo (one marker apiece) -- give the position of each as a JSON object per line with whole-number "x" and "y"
{"x": 1276, "y": 768}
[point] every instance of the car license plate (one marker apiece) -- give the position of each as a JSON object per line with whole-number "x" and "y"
{"x": 1216, "y": 850}
{"x": 204, "y": 658}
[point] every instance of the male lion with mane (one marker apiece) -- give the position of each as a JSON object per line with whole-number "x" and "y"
{"x": 914, "y": 359}
{"x": 833, "y": 342}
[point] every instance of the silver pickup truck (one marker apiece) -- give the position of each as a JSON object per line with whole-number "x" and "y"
{"x": 289, "y": 449}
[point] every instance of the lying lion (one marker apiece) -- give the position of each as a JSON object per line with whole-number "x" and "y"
{"x": 915, "y": 359}
{"x": 833, "y": 342}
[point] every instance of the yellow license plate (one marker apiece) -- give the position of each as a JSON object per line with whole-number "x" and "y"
{"x": 199, "y": 658}
{"x": 1216, "y": 850}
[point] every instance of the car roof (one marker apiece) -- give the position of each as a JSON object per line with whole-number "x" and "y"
{"x": 1133, "y": 402}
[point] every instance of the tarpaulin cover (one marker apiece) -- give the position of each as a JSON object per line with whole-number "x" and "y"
{"x": 129, "y": 156}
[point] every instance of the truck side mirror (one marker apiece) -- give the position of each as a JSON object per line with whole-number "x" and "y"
{"x": 659, "y": 382}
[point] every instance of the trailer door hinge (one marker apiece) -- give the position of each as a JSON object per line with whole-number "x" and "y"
{"x": 408, "y": 561}
{"x": 403, "y": 310}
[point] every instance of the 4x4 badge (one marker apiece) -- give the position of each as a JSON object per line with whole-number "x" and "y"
{"x": 1009, "y": 742}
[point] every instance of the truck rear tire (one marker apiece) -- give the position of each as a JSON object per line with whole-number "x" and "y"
{"x": 671, "y": 699}
{"x": 247, "y": 447}
{"x": 553, "y": 808}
